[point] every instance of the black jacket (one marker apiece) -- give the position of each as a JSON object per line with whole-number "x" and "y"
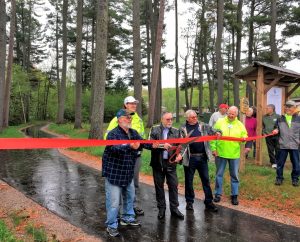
{"x": 156, "y": 133}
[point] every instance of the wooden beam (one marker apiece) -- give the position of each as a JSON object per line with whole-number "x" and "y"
{"x": 252, "y": 85}
{"x": 260, "y": 107}
{"x": 254, "y": 78}
{"x": 293, "y": 89}
{"x": 272, "y": 84}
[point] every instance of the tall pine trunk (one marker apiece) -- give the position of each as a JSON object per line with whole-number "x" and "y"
{"x": 176, "y": 62}
{"x": 9, "y": 64}
{"x": 156, "y": 66}
{"x": 273, "y": 45}
{"x": 62, "y": 95}
{"x": 2, "y": 58}
{"x": 77, "y": 124}
{"x": 96, "y": 130}
{"x": 219, "y": 59}
{"x": 137, "y": 77}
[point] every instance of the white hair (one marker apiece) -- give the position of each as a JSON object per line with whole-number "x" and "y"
{"x": 189, "y": 112}
{"x": 234, "y": 108}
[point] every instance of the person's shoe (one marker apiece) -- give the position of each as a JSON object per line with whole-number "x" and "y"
{"x": 295, "y": 183}
{"x": 112, "y": 232}
{"x": 211, "y": 207}
{"x": 217, "y": 198}
{"x": 176, "y": 213}
{"x": 234, "y": 200}
{"x": 189, "y": 206}
{"x": 138, "y": 211}
{"x": 274, "y": 166}
{"x": 278, "y": 182}
{"x": 161, "y": 213}
{"x": 134, "y": 223}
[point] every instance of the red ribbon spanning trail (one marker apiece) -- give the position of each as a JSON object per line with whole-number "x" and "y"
{"x": 48, "y": 143}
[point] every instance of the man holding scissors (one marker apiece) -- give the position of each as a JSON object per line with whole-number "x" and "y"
{"x": 195, "y": 158}
{"x": 164, "y": 167}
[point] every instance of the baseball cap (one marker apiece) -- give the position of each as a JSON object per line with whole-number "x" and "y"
{"x": 290, "y": 103}
{"x": 123, "y": 112}
{"x": 223, "y": 105}
{"x": 130, "y": 99}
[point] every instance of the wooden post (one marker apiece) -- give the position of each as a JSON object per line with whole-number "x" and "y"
{"x": 260, "y": 106}
{"x": 242, "y": 154}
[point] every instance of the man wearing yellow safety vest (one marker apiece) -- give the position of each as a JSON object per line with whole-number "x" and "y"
{"x": 228, "y": 151}
{"x": 130, "y": 104}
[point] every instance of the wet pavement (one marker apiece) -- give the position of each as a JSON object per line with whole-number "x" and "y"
{"x": 75, "y": 192}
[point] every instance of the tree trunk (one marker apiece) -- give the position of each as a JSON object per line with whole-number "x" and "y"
{"x": 137, "y": 77}
{"x": 155, "y": 70}
{"x": 249, "y": 92}
{"x": 193, "y": 69}
{"x": 62, "y": 95}
{"x": 219, "y": 59}
{"x": 96, "y": 130}
{"x": 237, "y": 66}
{"x": 2, "y": 58}
{"x": 176, "y": 63}
{"x": 77, "y": 124}
{"x": 57, "y": 58}
{"x": 186, "y": 91}
{"x": 9, "y": 64}
{"x": 273, "y": 45}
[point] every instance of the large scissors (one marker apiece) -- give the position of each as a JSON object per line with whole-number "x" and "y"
{"x": 179, "y": 147}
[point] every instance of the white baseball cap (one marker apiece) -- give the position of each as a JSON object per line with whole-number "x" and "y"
{"x": 130, "y": 99}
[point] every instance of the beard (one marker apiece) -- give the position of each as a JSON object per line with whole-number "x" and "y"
{"x": 125, "y": 125}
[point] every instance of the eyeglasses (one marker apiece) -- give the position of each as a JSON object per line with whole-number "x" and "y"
{"x": 193, "y": 117}
{"x": 169, "y": 119}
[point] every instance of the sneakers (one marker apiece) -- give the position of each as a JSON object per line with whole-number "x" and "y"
{"x": 217, "y": 198}
{"x": 278, "y": 182}
{"x": 189, "y": 206}
{"x": 112, "y": 232}
{"x": 234, "y": 200}
{"x": 274, "y": 166}
{"x": 130, "y": 223}
{"x": 138, "y": 211}
{"x": 295, "y": 183}
{"x": 211, "y": 207}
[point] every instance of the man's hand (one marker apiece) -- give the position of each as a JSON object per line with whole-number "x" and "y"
{"x": 218, "y": 134}
{"x": 155, "y": 145}
{"x": 178, "y": 158}
{"x": 135, "y": 146}
{"x": 215, "y": 153}
{"x": 167, "y": 146}
{"x": 275, "y": 131}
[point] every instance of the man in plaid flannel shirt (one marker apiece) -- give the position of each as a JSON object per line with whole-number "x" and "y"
{"x": 118, "y": 170}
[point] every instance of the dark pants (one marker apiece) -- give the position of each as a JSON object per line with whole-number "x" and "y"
{"x": 200, "y": 164}
{"x": 272, "y": 145}
{"x": 294, "y": 156}
{"x": 159, "y": 175}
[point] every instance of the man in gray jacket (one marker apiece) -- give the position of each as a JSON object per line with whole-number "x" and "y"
{"x": 288, "y": 127}
{"x": 196, "y": 158}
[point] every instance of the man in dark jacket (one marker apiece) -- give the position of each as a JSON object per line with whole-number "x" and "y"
{"x": 118, "y": 164}
{"x": 163, "y": 169}
{"x": 288, "y": 127}
{"x": 195, "y": 158}
{"x": 269, "y": 121}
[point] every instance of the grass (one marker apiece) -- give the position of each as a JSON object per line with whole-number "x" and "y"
{"x": 38, "y": 234}
{"x": 5, "y": 234}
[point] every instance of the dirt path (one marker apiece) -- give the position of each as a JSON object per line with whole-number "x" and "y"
{"x": 252, "y": 207}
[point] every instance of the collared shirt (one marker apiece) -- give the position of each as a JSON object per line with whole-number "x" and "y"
{"x": 165, "y": 136}
{"x": 118, "y": 161}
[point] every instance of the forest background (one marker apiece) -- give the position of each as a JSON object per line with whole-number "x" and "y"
{"x": 75, "y": 61}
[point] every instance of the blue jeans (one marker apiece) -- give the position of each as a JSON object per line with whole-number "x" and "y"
{"x": 113, "y": 195}
{"x": 199, "y": 164}
{"x": 233, "y": 170}
{"x": 294, "y": 156}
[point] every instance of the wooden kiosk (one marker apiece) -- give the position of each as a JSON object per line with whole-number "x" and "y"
{"x": 270, "y": 84}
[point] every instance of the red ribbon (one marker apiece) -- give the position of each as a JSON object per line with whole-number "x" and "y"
{"x": 48, "y": 143}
